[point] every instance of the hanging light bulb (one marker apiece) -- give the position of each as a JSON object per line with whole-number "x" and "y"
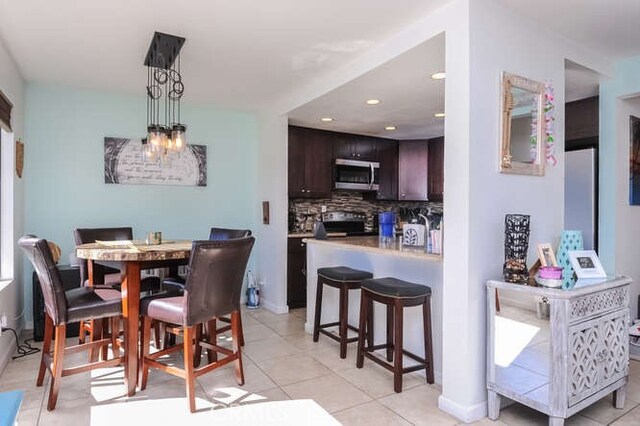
{"x": 179, "y": 136}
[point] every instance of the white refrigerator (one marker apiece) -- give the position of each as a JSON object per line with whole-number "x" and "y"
{"x": 580, "y": 202}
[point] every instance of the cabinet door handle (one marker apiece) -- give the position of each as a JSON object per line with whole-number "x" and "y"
{"x": 402, "y": 195}
{"x": 301, "y": 244}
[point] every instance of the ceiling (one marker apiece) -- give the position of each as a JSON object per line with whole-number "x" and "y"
{"x": 240, "y": 54}
{"x": 609, "y": 27}
{"x": 408, "y": 95}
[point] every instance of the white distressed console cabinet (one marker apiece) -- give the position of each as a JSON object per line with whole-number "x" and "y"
{"x": 561, "y": 355}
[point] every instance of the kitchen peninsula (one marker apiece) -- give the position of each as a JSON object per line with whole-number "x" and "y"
{"x": 383, "y": 260}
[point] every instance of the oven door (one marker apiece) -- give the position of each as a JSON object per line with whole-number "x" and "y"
{"x": 356, "y": 175}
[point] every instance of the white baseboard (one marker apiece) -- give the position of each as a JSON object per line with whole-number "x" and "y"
{"x": 466, "y": 413}
{"x": 308, "y": 328}
{"x": 276, "y": 309}
{"x": 7, "y": 348}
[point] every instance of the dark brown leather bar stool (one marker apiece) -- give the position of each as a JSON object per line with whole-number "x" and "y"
{"x": 344, "y": 279}
{"x": 397, "y": 295}
{"x": 63, "y": 307}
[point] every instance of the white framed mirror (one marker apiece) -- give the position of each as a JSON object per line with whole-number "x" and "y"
{"x": 522, "y": 140}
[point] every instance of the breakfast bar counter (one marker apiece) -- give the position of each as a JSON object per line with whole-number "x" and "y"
{"x": 392, "y": 259}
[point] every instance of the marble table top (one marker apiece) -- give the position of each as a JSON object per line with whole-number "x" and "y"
{"x": 374, "y": 245}
{"x": 120, "y": 251}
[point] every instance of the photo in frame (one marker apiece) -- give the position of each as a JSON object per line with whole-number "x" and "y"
{"x": 586, "y": 264}
{"x": 546, "y": 255}
{"x": 634, "y": 161}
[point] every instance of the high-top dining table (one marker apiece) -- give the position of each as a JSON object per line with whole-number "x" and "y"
{"x": 131, "y": 257}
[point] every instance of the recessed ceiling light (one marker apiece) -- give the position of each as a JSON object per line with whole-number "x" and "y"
{"x": 326, "y": 119}
{"x": 438, "y": 75}
{"x": 439, "y": 115}
{"x": 373, "y": 101}
{"x": 390, "y": 127}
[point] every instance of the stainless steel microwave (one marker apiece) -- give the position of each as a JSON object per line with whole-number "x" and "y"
{"x": 356, "y": 175}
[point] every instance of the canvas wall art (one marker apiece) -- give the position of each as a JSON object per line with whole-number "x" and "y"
{"x": 124, "y": 164}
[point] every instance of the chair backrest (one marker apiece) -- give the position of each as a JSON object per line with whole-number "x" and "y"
{"x": 217, "y": 234}
{"x": 90, "y": 235}
{"x": 55, "y": 301}
{"x": 215, "y": 277}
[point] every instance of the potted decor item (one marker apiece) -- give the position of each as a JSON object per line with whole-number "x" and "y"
{"x": 516, "y": 244}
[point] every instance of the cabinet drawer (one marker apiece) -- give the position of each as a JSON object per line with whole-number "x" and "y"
{"x": 599, "y": 303}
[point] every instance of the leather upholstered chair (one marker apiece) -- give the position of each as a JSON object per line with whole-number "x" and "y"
{"x": 61, "y": 308}
{"x": 212, "y": 289}
{"x": 215, "y": 234}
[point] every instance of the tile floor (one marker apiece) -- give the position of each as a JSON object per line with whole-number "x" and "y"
{"x": 281, "y": 362}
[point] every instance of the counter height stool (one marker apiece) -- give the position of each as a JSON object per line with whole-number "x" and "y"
{"x": 344, "y": 279}
{"x": 397, "y": 295}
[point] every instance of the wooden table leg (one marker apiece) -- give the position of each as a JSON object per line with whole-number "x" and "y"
{"x": 130, "y": 312}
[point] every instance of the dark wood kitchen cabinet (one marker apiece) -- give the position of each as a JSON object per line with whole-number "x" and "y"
{"x": 435, "y": 169}
{"x": 309, "y": 163}
{"x": 413, "y": 165}
{"x": 388, "y": 158}
{"x": 296, "y": 273}
{"x": 355, "y": 147}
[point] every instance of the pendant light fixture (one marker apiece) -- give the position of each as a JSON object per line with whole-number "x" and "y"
{"x": 166, "y": 134}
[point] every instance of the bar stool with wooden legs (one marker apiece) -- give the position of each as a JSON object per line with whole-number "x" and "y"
{"x": 344, "y": 279}
{"x": 396, "y": 295}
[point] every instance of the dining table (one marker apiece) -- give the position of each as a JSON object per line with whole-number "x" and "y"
{"x": 131, "y": 257}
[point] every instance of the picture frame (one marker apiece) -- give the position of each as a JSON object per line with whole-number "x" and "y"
{"x": 634, "y": 161}
{"x": 546, "y": 255}
{"x": 586, "y": 264}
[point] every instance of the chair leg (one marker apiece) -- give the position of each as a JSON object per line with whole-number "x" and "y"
{"x": 428, "y": 345}
{"x": 390, "y": 333}
{"x": 58, "y": 360}
{"x": 316, "y": 321}
{"x": 363, "y": 329}
{"x": 81, "y": 333}
{"x": 46, "y": 347}
{"x": 115, "y": 343}
{"x": 144, "y": 351}
{"x": 236, "y": 329}
{"x": 241, "y": 335}
{"x": 397, "y": 348}
{"x": 197, "y": 353}
{"x": 189, "y": 334}
{"x": 370, "y": 322}
{"x": 95, "y": 334}
{"x": 156, "y": 335}
{"x": 343, "y": 319}
{"x": 105, "y": 331}
{"x": 212, "y": 355}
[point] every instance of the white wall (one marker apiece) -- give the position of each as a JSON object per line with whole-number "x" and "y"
{"x": 11, "y": 301}
{"x": 627, "y": 216}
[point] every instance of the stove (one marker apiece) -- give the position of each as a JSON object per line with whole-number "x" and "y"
{"x": 350, "y": 222}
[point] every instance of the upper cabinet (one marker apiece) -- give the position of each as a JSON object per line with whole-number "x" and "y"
{"x": 413, "y": 165}
{"x": 436, "y": 169}
{"x": 355, "y": 147}
{"x": 388, "y": 158}
{"x": 309, "y": 163}
{"x": 581, "y": 119}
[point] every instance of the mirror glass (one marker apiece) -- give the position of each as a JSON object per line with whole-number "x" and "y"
{"x": 521, "y": 151}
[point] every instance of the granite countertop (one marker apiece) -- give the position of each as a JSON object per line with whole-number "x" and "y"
{"x": 310, "y": 234}
{"x": 374, "y": 245}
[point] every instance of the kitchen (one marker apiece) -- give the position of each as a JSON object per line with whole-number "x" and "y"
{"x": 352, "y": 156}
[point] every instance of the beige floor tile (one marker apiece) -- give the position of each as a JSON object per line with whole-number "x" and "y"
{"x": 28, "y": 417}
{"x": 330, "y": 356}
{"x": 74, "y": 412}
{"x": 272, "y": 347}
{"x": 632, "y": 418}
{"x": 287, "y": 326}
{"x": 333, "y": 393}
{"x": 264, "y": 315}
{"x": 255, "y": 380}
{"x": 517, "y": 414}
{"x": 604, "y": 412}
{"x": 291, "y": 369}
{"x": 304, "y": 342}
{"x": 370, "y": 414}
{"x": 486, "y": 422}
{"x": 300, "y": 312}
{"x": 257, "y": 332}
{"x": 376, "y": 381}
{"x": 419, "y": 406}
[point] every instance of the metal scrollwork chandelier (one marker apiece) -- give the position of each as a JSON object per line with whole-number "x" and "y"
{"x": 166, "y": 135}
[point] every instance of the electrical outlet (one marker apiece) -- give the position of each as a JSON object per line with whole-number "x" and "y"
{"x": 323, "y": 209}
{"x": 263, "y": 283}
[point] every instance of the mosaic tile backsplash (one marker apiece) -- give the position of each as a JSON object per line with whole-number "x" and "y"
{"x": 301, "y": 209}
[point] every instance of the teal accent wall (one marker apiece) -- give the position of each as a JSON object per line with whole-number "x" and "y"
{"x": 64, "y": 176}
{"x": 626, "y": 83}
